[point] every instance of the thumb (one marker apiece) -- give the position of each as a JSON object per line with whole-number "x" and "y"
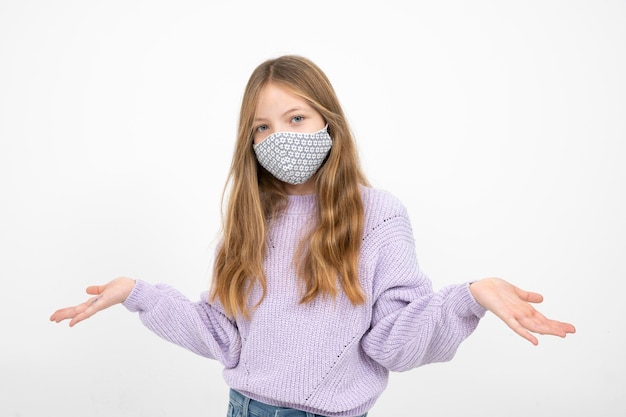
{"x": 529, "y": 296}
{"x": 95, "y": 289}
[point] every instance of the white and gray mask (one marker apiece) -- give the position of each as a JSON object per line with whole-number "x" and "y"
{"x": 293, "y": 157}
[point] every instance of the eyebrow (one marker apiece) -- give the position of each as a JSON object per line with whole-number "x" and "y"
{"x": 295, "y": 109}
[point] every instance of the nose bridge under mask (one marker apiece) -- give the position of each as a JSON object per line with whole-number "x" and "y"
{"x": 293, "y": 157}
{"x": 287, "y": 133}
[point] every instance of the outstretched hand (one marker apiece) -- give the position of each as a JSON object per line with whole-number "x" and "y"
{"x": 104, "y": 296}
{"x": 512, "y": 305}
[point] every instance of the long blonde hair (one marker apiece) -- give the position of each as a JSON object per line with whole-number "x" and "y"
{"x": 331, "y": 252}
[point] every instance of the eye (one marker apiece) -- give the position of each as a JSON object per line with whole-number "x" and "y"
{"x": 261, "y": 128}
{"x": 297, "y": 119}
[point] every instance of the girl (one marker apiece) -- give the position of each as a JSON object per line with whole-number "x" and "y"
{"x": 317, "y": 293}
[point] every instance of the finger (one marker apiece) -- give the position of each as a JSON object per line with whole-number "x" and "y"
{"x": 70, "y": 312}
{"x": 54, "y": 316}
{"x": 523, "y": 322}
{"x": 79, "y": 318}
{"x": 95, "y": 289}
{"x": 569, "y": 328}
{"x": 557, "y": 328}
{"x": 91, "y": 307}
{"x": 529, "y": 336}
{"x": 528, "y": 296}
{"x": 540, "y": 324}
{"x": 66, "y": 313}
{"x": 521, "y": 330}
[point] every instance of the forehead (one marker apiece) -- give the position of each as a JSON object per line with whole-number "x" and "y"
{"x": 275, "y": 99}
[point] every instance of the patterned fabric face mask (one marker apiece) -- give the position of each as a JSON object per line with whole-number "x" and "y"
{"x": 293, "y": 157}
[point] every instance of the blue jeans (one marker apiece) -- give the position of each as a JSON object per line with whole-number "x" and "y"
{"x": 241, "y": 406}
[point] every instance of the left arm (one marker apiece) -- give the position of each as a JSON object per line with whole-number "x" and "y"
{"x": 411, "y": 324}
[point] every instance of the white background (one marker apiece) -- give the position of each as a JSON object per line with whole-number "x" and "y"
{"x": 499, "y": 124}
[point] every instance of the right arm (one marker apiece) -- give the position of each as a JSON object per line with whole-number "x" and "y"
{"x": 197, "y": 326}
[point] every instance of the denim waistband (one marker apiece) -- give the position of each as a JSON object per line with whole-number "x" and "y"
{"x": 252, "y": 408}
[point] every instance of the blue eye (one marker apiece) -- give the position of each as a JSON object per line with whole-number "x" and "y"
{"x": 297, "y": 119}
{"x": 261, "y": 128}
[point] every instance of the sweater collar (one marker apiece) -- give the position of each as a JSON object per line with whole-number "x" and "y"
{"x": 301, "y": 204}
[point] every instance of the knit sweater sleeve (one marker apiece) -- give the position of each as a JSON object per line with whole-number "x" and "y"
{"x": 411, "y": 324}
{"x": 200, "y": 327}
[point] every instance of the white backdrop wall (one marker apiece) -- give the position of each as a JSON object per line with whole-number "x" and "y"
{"x": 500, "y": 125}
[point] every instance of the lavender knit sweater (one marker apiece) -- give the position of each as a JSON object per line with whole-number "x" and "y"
{"x": 327, "y": 357}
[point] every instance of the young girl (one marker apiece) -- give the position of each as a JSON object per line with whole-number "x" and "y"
{"x": 317, "y": 293}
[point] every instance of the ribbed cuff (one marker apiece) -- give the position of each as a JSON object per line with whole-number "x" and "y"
{"x": 143, "y": 297}
{"x": 473, "y": 305}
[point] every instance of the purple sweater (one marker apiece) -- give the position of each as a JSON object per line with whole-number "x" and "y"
{"x": 327, "y": 357}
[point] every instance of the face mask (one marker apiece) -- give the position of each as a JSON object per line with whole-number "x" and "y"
{"x": 293, "y": 157}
